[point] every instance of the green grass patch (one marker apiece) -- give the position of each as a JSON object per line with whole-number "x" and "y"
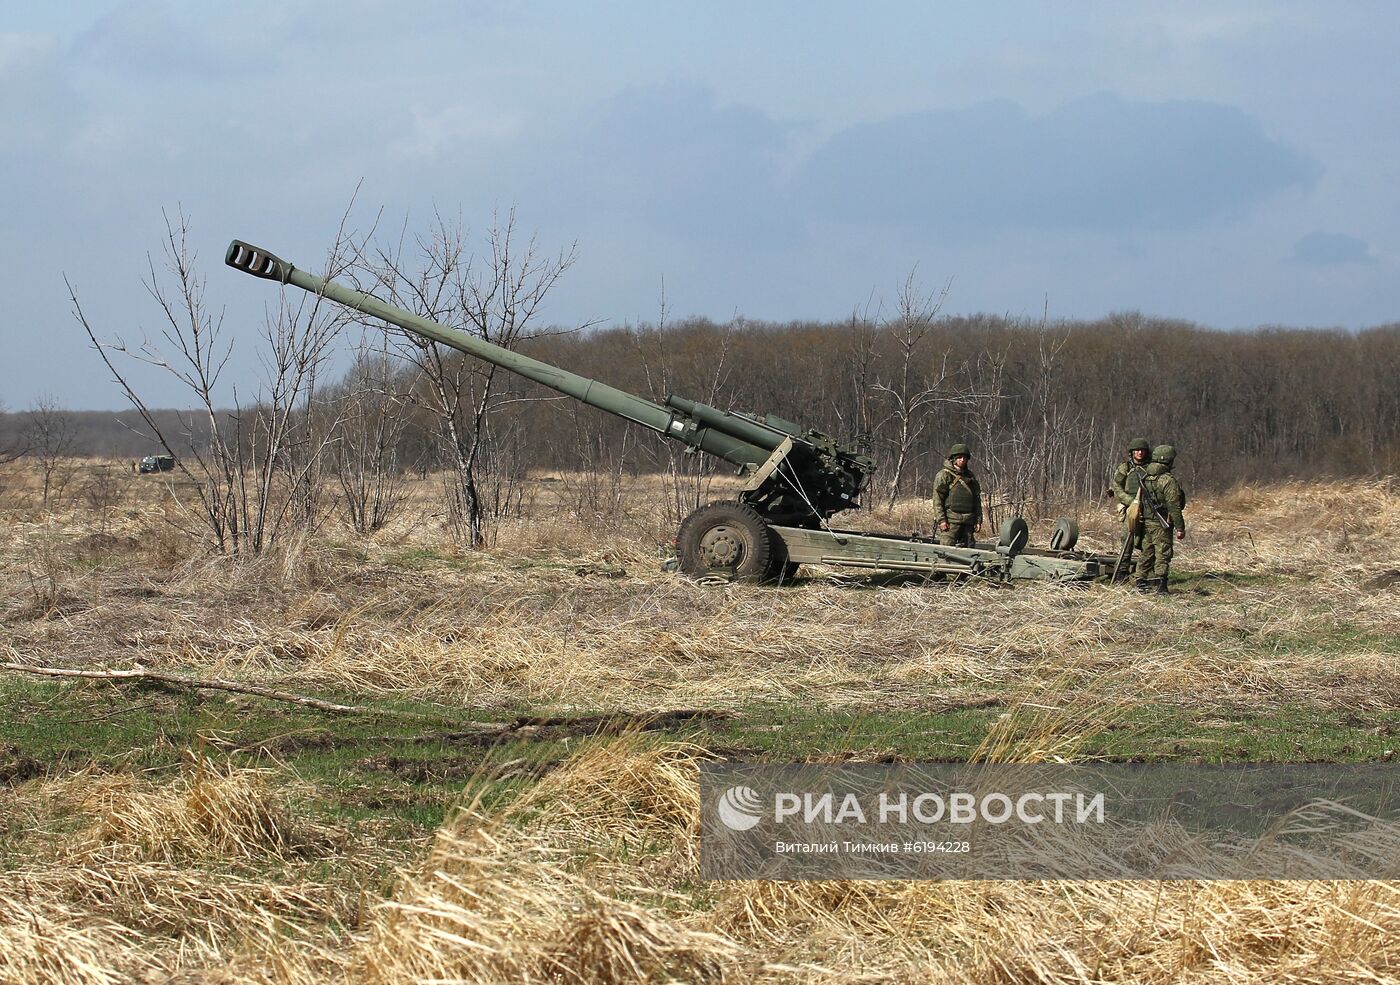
{"x": 1141, "y": 733}
{"x": 425, "y": 558}
{"x": 1341, "y": 638}
{"x": 398, "y": 779}
{"x": 361, "y": 768}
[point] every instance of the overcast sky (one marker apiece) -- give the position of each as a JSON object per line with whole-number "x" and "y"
{"x": 1234, "y": 164}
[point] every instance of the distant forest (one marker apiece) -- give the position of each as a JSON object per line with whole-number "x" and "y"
{"x": 1047, "y": 409}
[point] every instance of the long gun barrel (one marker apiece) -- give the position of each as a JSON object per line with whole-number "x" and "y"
{"x": 738, "y": 441}
{"x": 797, "y": 478}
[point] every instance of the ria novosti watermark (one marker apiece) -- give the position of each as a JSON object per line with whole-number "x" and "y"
{"x": 1110, "y": 821}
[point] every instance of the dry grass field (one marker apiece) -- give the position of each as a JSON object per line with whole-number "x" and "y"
{"x": 513, "y": 797}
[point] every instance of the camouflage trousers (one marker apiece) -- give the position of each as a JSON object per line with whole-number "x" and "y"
{"x": 1156, "y": 557}
{"x": 960, "y": 533}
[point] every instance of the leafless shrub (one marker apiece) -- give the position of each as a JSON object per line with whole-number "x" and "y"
{"x": 495, "y": 297}
{"x": 258, "y": 471}
{"x": 102, "y": 492}
{"x": 49, "y": 436}
{"x": 373, "y": 409}
{"x": 1041, "y": 452}
{"x": 920, "y": 384}
{"x": 596, "y": 489}
{"x": 689, "y": 477}
{"x": 13, "y": 447}
{"x": 46, "y": 569}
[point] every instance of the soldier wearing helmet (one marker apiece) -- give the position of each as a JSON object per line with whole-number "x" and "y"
{"x": 1124, "y": 488}
{"x": 958, "y": 495}
{"x": 1129, "y": 473}
{"x": 1159, "y": 525}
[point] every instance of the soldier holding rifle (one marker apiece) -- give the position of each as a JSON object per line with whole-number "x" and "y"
{"x": 1162, "y": 502}
{"x": 1124, "y": 488}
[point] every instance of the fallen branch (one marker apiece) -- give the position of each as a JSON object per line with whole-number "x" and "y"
{"x": 219, "y": 684}
{"x": 523, "y": 727}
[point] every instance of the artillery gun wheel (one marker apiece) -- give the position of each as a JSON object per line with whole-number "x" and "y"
{"x": 729, "y": 538}
{"x": 1013, "y": 534}
{"x": 1066, "y": 534}
{"x": 780, "y": 569}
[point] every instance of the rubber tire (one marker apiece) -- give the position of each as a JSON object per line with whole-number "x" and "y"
{"x": 781, "y": 571}
{"x": 756, "y": 548}
{"x": 1066, "y": 534}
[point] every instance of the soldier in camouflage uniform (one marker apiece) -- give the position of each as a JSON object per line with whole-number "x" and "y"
{"x": 1124, "y": 484}
{"x": 1128, "y": 474}
{"x": 1156, "y": 559}
{"x": 959, "y": 498}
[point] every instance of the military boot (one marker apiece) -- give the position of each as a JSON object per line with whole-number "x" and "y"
{"x": 1161, "y": 588}
{"x": 1144, "y": 585}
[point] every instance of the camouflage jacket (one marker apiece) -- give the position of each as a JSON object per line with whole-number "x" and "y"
{"x": 1167, "y": 491}
{"x": 1125, "y": 481}
{"x": 958, "y": 494}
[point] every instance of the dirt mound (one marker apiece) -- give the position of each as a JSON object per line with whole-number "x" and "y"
{"x": 16, "y": 767}
{"x": 1386, "y": 579}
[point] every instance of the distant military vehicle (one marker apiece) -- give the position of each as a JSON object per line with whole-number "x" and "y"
{"x": 798, "y": 479}
{"x": 156, "y": 463}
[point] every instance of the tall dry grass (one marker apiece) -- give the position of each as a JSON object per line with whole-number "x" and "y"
{"x": 545, "y": 896}
{"x": 536, "y": 620}
{"x": 592, "y": 875}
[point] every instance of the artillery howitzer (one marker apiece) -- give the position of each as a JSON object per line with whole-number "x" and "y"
{"x": 797, "y": 478}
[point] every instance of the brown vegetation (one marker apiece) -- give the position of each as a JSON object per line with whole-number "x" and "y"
{"x": 217, "y": 872}
{"x": 1242, "y": 406}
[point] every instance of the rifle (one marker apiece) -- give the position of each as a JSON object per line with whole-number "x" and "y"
{"x": 1155, "y": 508}
{"x": 1133, "y": 519}
{"x": 1123, "y": 554}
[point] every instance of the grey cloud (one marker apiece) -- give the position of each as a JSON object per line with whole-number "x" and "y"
{"x": 364, "y": 26}
{"x": 157, "y": 39}
{"x": 1099, "y": 163}
{"x": 38, "y": 107}
{"x": 1325, "y": 249}
{"x": 670, "y": 158}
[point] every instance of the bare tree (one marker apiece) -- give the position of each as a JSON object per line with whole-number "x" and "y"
{"x": 1046, "y": 438}
{"x": 258, "y": 470}
{"x": 12, "y": 448}
{"x": 495, "y": 297}
{"x": 920, "y": 381}
{"x": 988, "y": 383}
{"x": 373, "y": 410}
{"x": 103, "y": 494}
{"x": 49, "y": 435}
{"x": 688, "y": 476}
{"x": 861, "y": 352}
{"x": 596, "y": 490}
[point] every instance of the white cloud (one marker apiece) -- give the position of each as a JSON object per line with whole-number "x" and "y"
{"x": 1102, "y": 162}
{"x": 434, "y": 131}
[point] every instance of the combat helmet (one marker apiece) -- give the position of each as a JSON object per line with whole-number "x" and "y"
{"x": 959, "y": 449}
{"x": 1163, "y": 454}
{"x": 1139, "y": 444}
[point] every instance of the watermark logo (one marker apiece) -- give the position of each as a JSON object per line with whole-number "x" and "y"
{"x": 1049, "y": 821}
{"x": 740, "y": 808}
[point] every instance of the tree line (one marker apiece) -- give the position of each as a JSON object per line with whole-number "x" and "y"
{"x": 1047, "y": 406}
